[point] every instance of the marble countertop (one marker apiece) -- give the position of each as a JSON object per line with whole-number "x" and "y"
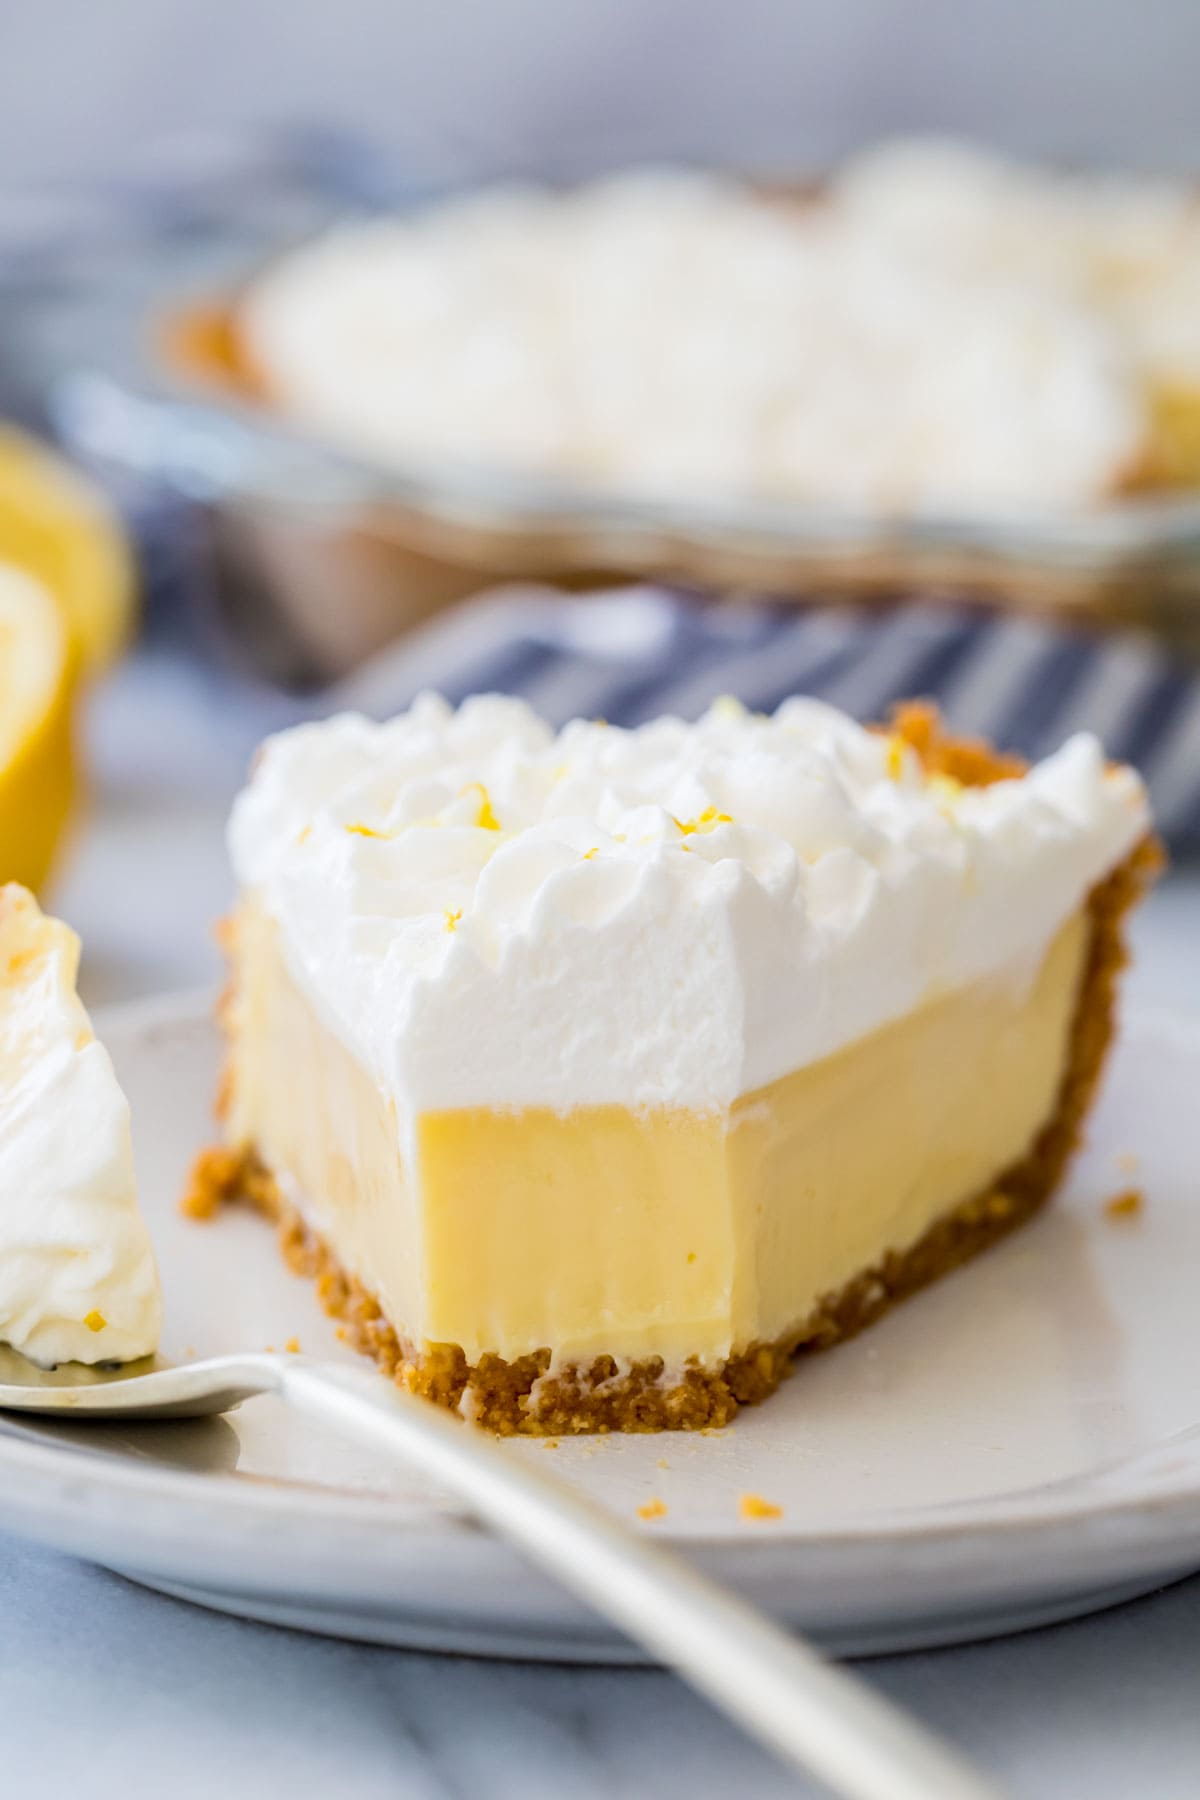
{"x": 107, "y": 1690}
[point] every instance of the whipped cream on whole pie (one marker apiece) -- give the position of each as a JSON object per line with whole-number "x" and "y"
{"x": 673, "y": 333}
{"x": 1126, "y": 247}
{"x": 78, "y": 1280}
{"x": 598, "y": 1069}
{"x": 936, "y": 329}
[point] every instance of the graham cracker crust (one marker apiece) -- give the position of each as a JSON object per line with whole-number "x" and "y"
{"x": 525, "y": 1397}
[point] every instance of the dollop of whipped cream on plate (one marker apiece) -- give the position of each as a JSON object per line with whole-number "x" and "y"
{"x": 78, "y": 1280}
{"x": 494, "y": 914}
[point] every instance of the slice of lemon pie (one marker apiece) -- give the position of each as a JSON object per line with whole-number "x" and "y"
{"x": 78, "y": 1281}
{"x": 594, "y": 1073}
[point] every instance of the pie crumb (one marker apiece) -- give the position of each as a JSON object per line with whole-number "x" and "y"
{"x": 549, "y": 1443}
{"x": 293, "y": 1346}
{"x": 753, "y": 1506}
{"x": 1128, "y": 1163}
{"x": 201, "y": 1200}
{"x": 662, "y": 1463}
{"x": 1130, "y": 1203}
{"x": 653, "y": 1509}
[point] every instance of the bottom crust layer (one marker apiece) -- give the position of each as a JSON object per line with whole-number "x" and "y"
{"x": 524, "y": 1396}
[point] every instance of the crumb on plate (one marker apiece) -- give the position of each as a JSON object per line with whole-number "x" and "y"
{"x": 753, "y": 1506}
{"x": 1130, "y": 1203}
{"x": 653, "y": 1509}
{"x": 201, "y": 1200}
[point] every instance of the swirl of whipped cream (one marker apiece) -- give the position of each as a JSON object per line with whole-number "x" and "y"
{"x": 492, "y": 914}
{"x": 78, "y": 1281}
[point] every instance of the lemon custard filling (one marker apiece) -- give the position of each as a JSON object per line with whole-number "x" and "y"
{"x": 590, "y": 1068}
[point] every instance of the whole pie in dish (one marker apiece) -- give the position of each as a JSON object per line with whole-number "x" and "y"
{"x": 594, "y": 1074}
{"x": 934, "y": 330}
{"x": 933, "y": 368}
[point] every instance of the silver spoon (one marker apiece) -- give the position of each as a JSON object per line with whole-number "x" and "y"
{"x": 781, "y": 1690}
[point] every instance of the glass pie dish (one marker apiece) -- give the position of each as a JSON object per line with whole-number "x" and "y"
{"x": 324, "y": 555}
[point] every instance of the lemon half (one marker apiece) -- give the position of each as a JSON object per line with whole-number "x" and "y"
{"x": 55, "y": 525}
{"x": 37, "y": 768}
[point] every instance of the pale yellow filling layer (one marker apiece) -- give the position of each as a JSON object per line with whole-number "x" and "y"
{"x": 653, "y": 1232}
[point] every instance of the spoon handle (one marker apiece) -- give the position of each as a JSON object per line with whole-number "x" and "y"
{"x": 813, "y": 1714}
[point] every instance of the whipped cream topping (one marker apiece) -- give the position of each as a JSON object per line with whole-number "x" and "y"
{"x": 492, "y": 914}
{"x": 680, "y": 334}
{"x": 1126, "y": 248}
{"x": 78, "y": 1281}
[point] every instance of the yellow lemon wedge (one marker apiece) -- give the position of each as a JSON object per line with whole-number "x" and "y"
{"x": 55, "y": 525}
{"x": 37, "y": 777}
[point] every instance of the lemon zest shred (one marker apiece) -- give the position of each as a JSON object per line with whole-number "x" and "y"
{"x": 706, "y": 821}
{"x": 95, "y": 1320}
{"x": 485, "y": 819}
{"x": 452, "y": 915}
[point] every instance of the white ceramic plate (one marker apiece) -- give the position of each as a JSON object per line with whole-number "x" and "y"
{"x": 1010, "y": 1448}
